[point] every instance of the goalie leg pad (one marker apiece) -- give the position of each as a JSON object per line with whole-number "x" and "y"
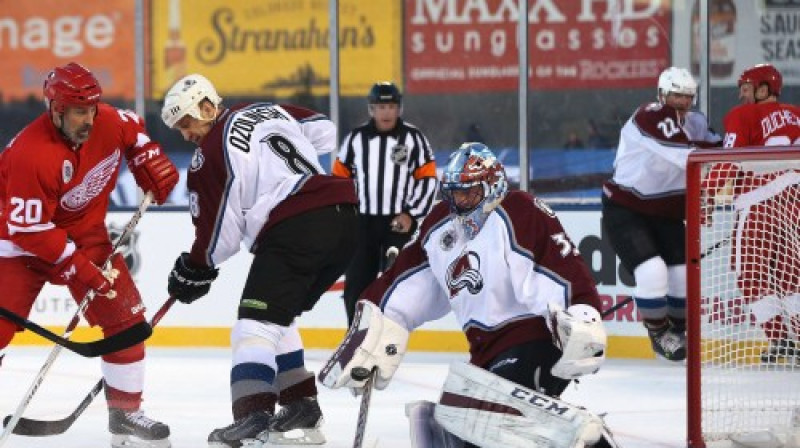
{"x": 373, "y": 340}
{"x": 492, "y": 412}
{"x": 425, "y": 431}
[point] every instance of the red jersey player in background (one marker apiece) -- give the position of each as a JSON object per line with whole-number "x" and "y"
{"x": 56, "y": 176}
{"x": 765, "y": 258}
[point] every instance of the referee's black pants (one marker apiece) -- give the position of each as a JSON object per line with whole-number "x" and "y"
{"x": 375, "y": 237}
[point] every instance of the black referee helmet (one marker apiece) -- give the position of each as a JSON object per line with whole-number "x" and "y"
{"x": 384, "y": 92}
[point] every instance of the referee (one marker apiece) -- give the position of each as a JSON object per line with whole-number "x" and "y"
{"x": 393, "y": 167}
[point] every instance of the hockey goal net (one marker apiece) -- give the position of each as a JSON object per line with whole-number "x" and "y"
{"x": 743, "y": 259}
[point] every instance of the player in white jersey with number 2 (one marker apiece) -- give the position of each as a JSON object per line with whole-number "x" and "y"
{"x": 644, "y": 205}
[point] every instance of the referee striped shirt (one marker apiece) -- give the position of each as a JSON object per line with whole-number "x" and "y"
{"x": 394, "y": 170}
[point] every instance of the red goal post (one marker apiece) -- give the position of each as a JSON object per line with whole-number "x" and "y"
{"x": 743, "y": 271}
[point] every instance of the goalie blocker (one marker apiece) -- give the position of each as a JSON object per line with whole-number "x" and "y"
{"x": 482, "y": 408}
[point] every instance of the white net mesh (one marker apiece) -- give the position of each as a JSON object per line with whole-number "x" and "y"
{"x": 750, "y": 298}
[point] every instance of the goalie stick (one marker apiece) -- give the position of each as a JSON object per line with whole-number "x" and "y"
{"x": 41, "y": 428}
{"x": 358, "y": 374}
{"x": 37, "y": 381}
{"x": 361, "y": 373}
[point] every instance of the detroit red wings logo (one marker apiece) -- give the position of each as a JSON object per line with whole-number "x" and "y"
{"x": 92, "y": 184}
{"x": 464, "y": 272}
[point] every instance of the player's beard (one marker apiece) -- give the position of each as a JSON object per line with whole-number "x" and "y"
{"x": 80, "y": 134}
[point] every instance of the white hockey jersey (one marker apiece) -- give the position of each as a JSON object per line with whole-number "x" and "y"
{"x": 257, "y": 166}
{"x": 498, "y": 284}
{"x": 650, "y": 165}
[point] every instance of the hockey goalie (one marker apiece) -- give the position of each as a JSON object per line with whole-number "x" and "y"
{"x": 502, "y": 262}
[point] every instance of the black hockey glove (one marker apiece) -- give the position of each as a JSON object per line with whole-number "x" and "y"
{"x": 187, "y": 283}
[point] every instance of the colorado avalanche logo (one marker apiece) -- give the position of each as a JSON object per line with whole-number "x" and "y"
{"x": 128, "y": 247}
{"x": 464, "y": 272}
{"x": 197, "y": 160}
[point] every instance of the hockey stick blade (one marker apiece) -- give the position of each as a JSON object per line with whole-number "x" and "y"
{"x": 41, "y": 428}
{"x": 363, "y": 410}
{"x": 122, "y": 340}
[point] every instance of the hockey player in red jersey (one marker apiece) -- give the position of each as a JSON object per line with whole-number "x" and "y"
{"x": 255, "y": 178}
{"x": 56, "y": 176}
{"x": 644, "y": 205}
{"x": 502, "y": 262}
{"x": 767, "y": 268}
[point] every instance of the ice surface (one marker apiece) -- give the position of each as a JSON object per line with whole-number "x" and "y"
{"x": 645, "y": 401}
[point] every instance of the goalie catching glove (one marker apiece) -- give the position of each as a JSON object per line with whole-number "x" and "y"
{"x": 578, "y": 331}
{"x": 373, "y": 341}
{"x": 187, "y": 282}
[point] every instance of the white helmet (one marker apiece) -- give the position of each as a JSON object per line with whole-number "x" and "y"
{"x": 676, "y": 80}
{"x": 185, "y": 96}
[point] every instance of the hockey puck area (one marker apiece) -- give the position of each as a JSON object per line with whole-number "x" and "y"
{"x": 359, "y": 373}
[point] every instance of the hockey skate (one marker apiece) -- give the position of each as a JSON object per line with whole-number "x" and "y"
{"x": 783, "y": 350}
{"x": 297, "y": 423}
{"x": 241, "y": 433}
{"x": 132, "y": 429}
{"x": 668, "y": 344}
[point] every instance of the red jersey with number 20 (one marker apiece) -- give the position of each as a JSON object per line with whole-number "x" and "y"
{"x": 50, "y": 192}
{"x": 762, "y": 124}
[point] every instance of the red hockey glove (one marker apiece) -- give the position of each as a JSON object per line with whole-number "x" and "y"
{"x": 153, "y": 171}
{"x": 78, "y": 272}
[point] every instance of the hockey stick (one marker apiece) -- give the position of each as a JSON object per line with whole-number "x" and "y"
{"x": 619, "y": 305}
{"x": 124, "y": 339}
{"x": 37, "y": 381}
{"x": 716, "y": 246}
{"x": 361, "y": 373}
{"x": 41, "y": 428}
{"x": 628, "y": 299}
{"x": 358, "y": 374}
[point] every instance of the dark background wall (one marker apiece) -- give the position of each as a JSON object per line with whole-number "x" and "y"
{"x": 445, "y": 118}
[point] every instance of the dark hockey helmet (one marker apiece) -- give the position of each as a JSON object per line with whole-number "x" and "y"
{"x": 384, "y": 92}
{"x": 474, "y": 165}
{"x": 71, "y": 85}
{"x": 763, "y": 74}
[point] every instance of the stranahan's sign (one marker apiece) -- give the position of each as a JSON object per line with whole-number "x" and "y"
{"x": 460, "y": 45}
{"x": 276, "y": 48}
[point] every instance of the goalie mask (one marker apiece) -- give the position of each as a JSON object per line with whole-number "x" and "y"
{"x": 184, "y": 98}
{"x": 473, "y": 184}
{"x": 676, "y": 80}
